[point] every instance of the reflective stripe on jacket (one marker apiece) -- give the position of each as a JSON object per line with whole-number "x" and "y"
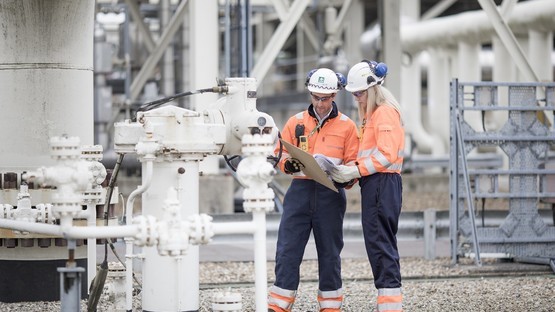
{"x": 382, "y": 143}
{"x": 337, "y": 138}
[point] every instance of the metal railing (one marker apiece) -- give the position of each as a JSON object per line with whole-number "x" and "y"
{"x": 428, "y": 226}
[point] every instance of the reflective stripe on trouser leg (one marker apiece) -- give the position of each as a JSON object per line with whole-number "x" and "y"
{"x": 390, "y": 300}
{"x": 281, "y": 300}
{"x": 330, "y": 301}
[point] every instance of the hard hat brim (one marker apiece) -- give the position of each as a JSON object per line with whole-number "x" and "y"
{"x": 351, "y": 89}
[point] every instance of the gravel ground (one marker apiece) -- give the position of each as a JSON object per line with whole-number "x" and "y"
{"x": 428, "y": 286}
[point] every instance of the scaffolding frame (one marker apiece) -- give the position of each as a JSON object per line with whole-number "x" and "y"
{"x": 526, "y": 137}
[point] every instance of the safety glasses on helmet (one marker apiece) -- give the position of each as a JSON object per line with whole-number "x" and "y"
{"x": 321, "y": 99}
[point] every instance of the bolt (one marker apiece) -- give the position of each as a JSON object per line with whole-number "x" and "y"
{"x": 181, "y": 170}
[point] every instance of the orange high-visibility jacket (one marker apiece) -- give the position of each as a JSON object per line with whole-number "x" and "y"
{"x": 382, "y": 143}
{"x": 337, "y": 138}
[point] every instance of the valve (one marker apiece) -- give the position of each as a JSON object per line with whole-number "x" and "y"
{"x": 173, "y": 236}
{"x": 93, "y": 155}
{"x": 71, "y": 176}
{"x": 255, "y": 172}
{"x": 24, "y": 211}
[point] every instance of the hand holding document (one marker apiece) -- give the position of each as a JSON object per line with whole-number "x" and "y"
{"x": 312, "y": 167}
{"x": 324, "y": 162}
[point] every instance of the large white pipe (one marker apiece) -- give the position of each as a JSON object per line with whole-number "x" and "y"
{"x": 46, "y": 78}
{"x": 411, "y": 97}
{"x": 438, "y": 99}
{"x": 46, "y": 90}
{"x": 161, "y": 279}
{"x": 412, "y": 109}
{"x": 475, "y": 25}
{"x": 540, "y": 49}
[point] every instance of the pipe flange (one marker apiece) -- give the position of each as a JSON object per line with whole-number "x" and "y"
{"x": 147, "y": 234}
{"x": 201, "y": 229}
{"x": 65, "y": 147}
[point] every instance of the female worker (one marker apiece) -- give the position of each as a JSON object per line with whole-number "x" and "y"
{"x": 378, "y": 168}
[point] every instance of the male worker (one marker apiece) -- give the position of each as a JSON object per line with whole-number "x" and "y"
{"x": 310, "y": 206}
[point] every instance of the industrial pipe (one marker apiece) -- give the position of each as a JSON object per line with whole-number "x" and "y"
{"x": 128, "y": 240}
{"x": 71, "y": 232}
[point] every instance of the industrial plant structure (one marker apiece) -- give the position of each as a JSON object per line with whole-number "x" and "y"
{"x": 172, "y": 90}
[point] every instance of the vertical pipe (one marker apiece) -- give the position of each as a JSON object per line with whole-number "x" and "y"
{"x": 189, "y": 264}
{"x": 227, "y": 39}
{"x": 127, "y": 57}
{"x": 503, "y": 68}
{"x": 70, "y": 288}
{"x": 391, "y": 43}
{"x": 91, "y": 245}
{"x": 163, "y": 276}
{"x": 249, "y": 38}
{"x": 411, "y": 97}
{"x": 147, "y": 180}
{"x": 468, "y": 69}
{"x": 261, "y": 279}
{"x": 245, "y": 38}
{"x": 301, "y": 66}
{"x": 203, "y": 27}
{"x": 168, "y": 80}
{"x": 438, "y": 96}
{"x": 539, "y": 53}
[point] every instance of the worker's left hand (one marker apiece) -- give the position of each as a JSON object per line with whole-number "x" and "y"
{"x": 344, "y": 184}
{"x": 342, "y": 173}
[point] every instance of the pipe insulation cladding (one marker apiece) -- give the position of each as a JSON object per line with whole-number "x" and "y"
{"x": 46, "y": 77}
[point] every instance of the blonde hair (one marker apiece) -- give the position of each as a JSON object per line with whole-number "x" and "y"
{"x": 379, "y": 95}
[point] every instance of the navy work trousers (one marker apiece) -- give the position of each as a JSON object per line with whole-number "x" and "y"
{"x": 307, "y": 206}
{"x": 381, "y": 195}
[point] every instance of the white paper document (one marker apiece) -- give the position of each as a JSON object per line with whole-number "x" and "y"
{"x": 311, "y": 166}
{"x": 325, "y": 163}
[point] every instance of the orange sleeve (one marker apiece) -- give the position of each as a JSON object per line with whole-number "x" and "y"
{"x": 288, "y": 135}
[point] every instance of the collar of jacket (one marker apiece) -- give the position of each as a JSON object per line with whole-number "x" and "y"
{"x": 333, "y": 114}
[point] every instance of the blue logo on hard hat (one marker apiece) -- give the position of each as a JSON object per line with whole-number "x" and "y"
{"x": 321, "y": 79}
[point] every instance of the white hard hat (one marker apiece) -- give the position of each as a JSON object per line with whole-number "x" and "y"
{"x": 324, "y": 80}
{"x": 364, "y": 75}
